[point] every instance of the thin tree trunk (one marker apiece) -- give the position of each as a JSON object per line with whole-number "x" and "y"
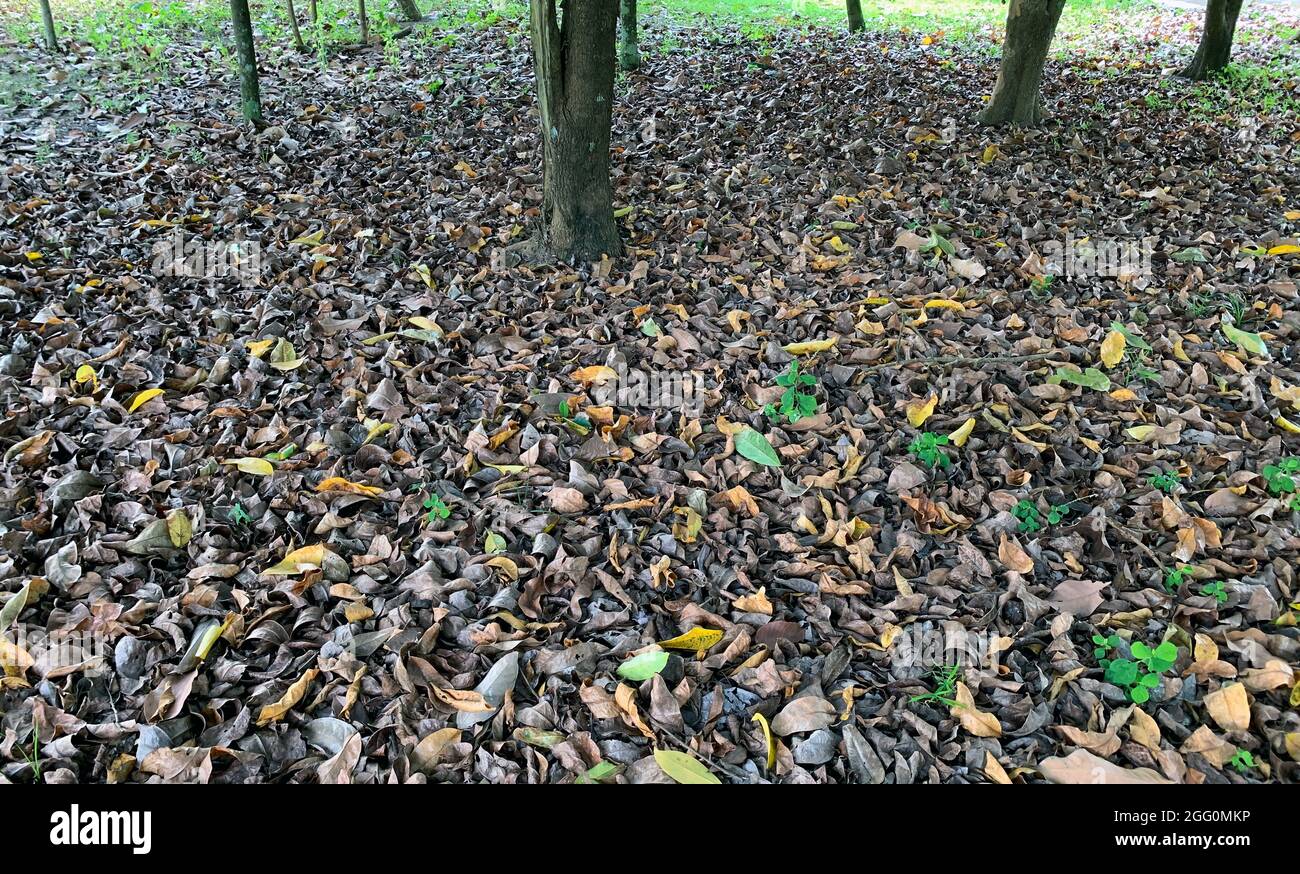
{"x": 311, "y": 11}
{"x": 1215, "y": 50}
{"x": 1017, "y": 97}
{"x": 365, "y": 22}
{"x": 409, "y": 10}
{"x": 250, "y": 99}
{"x": 629, "y": 52}
{"x": 293, "y": 26}
{"x": 854, "y": 10}
{"x": 574, "y": 65}
{"x": 47, "y": 22}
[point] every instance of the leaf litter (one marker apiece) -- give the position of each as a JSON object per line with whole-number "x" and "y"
{"x": 223, "y": 488}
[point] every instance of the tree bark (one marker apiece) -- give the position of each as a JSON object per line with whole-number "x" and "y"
{"x": 365, "y": 22}
{"x": 1017, "y": 97}
{"x": 47, "y": 23}
{"x": 311, "y": 11}
{"x": 629, "y": 52}
{"x": 409, "y": 10}
{"x": 250, "y": 99}
{"x": 1215, "y": 50}
{"x": 574, "y": 64}
{"x": 854, "y": 10}
{"x": 293, "y": 27}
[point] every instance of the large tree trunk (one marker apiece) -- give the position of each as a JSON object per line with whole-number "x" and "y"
{"x": 1017, "y": 97}
{"x": 293, "y": 28}
{"x": 1215, "y": 50}
{"x": 410, "y": 10}
{"x": 47, "y": 23}
{"x": 854, "y": 10}
{"x": 250, "y": 99}
{"x": 574, "y": 64}
{"x": 629, "y": 52}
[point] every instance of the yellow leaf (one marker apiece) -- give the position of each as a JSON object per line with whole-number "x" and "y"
{"x": 339, "y": 484}
{"x": 919, "y": 410}
{"x": 272, "y": 712}
{"x": 258, "y": 348}
{"x": 756, "y": 603}
{"x": 1285, "y": 249}
{"x": 1292, "y": 215}
{"x": 305, "y": 558}
{"x": 1141, "y": 433}
{"x": 465, "y": 168}
{"x": 808, "y": 347}
{"x": 596, "y": 375}
{"x": 179, "y": 528}
{"x": 959, "y": 437}
{"x": 252, "y": 466}
{"x": 695, "y": 640}
{"x": 944, "y": 304}
{"x": 767, "y": 736}
{"x": 1124, "y": 394}
{"x": 1112, "y": 348}
{"x": 426, "y": 324}
{"x": 312, "y": 239}
{"x": 375, "y": 428}
{"x": 86, "y": 374}
{"x": 143, "y": 398}
{"x": 1287, "y": 424}
{"x": 990, "y": 155}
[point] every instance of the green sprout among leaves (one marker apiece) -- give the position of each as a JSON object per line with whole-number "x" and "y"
{"x": 1175, "y": 577}
{"x": 1031, "y": 519}
{"x": 1280, "y": 478}
{"x": 926, "y": 448}
{"x": 1216, "y": 591}
{"x": 580, "y": 425}
{"x": 1164, "y": 482}
{"x": 437, "y": 508}
{"x": 1140, "y": 674}
{"x": 237, "y": 515}
{"x": 945, "y": 686}
{"x": 1242, "y": 760}
{"x": 795, "y": 405}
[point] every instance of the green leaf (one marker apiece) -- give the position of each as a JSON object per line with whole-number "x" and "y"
{"x": 1140, "y": 650}
{"x": 14, "y": 606}
{"x": 651, "y": 328}
{"x": 644, "y": 666}
{"x": 1140, "y": 694}
{"x": 1122, "y": 672}
{"x": 599, "y": 772}
{"x": 1131, "y": 338}
{"x": 1090, "y": 378}
{"x": 684, "y": 768}
{"x": 494, "y": 543}
{"x": 1252, "y": 343}
{"x": 1167, "y": 652}
{"x": 754, "y": 446}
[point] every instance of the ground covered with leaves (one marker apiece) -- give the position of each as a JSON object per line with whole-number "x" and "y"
{"x": 384, "y": 511}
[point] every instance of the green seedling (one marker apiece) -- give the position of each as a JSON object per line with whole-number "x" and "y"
{"x": 1136, "y": 350}
{"x": 1032, "y": 520}
{"x": 927, "y": 448}
{"x": 1175, "y": 577}
{"x": 1164, "y": 482}
{"x": 1280, "y": 478}
{"x": 437, "y": 508}
{"x": 795, "y": 405}
{"x": 237, "y": 515}
{"x": 1242, "y": 760}
{"x": 945, "y": 686}
{"x": 1216, "y": 591}
{"x": 1140, "y": 674}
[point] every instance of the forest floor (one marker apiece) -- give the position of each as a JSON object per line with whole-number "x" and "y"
{"x": 310, "y": 481}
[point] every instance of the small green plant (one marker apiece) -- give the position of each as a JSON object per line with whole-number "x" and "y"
{"x": 927, "y": 448}
{"x": 237, "y": 515}
{"x": 580, "y": 425}
{"x": 1136, "y": 350}
{"x": 1032, "y": 520}
{"x": 945, "y": 686}
{"x": 1138, "y": 675}
{"x": 437, "y": 508}
{"x": 1165, "y": 482}
{"x": 1215, "y": 590}
{"x": 1242, "y": 760}
{"x": 34, "y": 760}
{"x": 1041, "y": 286}
{"x": 1280, "y": 478}
{"x": 1175, "y": 577}
{"x": 795, "y": 405}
